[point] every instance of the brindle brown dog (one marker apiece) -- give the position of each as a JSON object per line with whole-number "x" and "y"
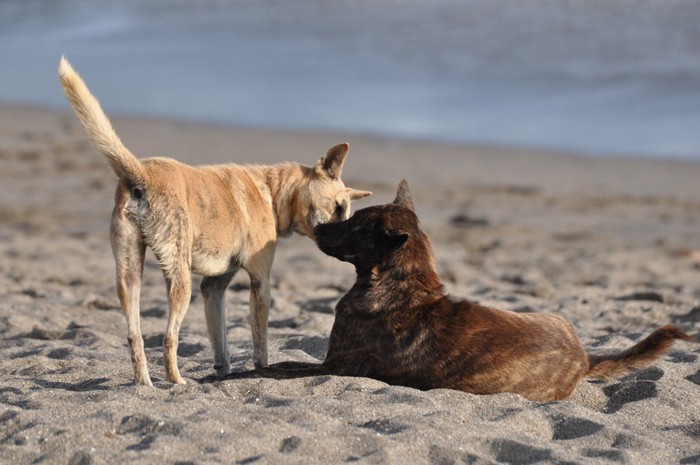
{"x": 397, "y": 324}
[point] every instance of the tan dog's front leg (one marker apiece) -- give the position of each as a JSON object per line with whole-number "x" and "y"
{"x": 179, "y": 293}
{"x": 213, "y": 291}
{"x": 259, "y": 272}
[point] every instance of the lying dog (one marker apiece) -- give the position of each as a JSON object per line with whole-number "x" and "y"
{"x": 210, "y": 220}
{"x": 397, "y": 324}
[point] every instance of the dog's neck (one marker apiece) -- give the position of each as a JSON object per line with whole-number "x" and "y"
{"x": 407, "y": 279}
{"x": 284, "y": 181}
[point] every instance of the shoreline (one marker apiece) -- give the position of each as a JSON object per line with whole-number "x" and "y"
{"x": 372, "y": 136}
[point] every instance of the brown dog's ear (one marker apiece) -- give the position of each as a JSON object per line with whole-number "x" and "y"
{"x": 332, "y": 163}
{"x": 396, "y": 237}
{"x": 356, "y": 195}
{"x": 403, "y": 196}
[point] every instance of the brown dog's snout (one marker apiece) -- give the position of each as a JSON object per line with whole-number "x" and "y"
{"x": 328, "y": 231}
{"x": 329, "y": 236}
{"x": 319, "y": 230}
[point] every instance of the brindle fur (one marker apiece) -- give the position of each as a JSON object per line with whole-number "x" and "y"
{"x": 397, "y": 324}
{"x": 210, "y": 220}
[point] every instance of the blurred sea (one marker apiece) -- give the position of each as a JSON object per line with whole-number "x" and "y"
{"x": 591, "y": 76}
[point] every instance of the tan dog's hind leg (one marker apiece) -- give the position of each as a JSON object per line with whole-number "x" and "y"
{"x": 179, "y": 293}
{"x": 259, "y": 271}
{"x": 129, "y": 249}
{"x": 213, "y": 291}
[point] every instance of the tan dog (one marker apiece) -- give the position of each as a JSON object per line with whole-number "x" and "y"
{"x": 210, "y": 220}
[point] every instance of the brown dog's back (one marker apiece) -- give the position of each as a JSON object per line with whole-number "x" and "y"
{"x": 534, "y": 354}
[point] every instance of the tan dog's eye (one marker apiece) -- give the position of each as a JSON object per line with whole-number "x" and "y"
{"x": 339, "y": 209}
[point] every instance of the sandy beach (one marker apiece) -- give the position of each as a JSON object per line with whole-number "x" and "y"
{"x": 612, "y": 244}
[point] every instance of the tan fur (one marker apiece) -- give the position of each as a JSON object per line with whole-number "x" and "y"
{"x": 210, "y": 220}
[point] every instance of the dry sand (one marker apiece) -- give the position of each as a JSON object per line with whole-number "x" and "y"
{"x": 612, "y": 245}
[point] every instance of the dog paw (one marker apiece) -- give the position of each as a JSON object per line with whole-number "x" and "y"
{"x": 222, "y": 370}
{"x": 144, "y": 381}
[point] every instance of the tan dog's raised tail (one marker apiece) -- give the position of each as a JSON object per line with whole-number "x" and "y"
{"x": 210, "y": 220}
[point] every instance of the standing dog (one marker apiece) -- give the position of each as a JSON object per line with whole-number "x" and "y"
{"x": 210, "y": 220}
{"x": 397, "y": 324}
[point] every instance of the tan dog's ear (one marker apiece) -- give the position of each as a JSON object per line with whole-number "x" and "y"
{"x": 404, "y": 197}
{"x": 355, "y": 194}
{"x": 332, "y": 163}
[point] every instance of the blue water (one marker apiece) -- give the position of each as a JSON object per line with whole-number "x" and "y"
{"x": 591, "y": 76}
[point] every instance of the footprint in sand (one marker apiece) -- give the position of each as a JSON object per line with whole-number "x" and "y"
{"x": 621, "y": 394}
{"x": 693, "y": 316}
{"x": 15, "y": 398}
{"x": 154, "y": 312}
{"x": 316, "y": 346}
{"x": 94, "y": 384}
{"x": 385, "y": 426}
{"x": 442, "y": 455}
{"x": 691, "y": 460}
{"x": 290, "y": 444}
{"x": 649, "y": 374}
{"x": 147, "y": 429}
{"x": 73, "y": 331}
{"x": 319, "y": 305}
{"x": 694, "y": 378}
{"x": 512, "y": 452}
{"x": 60, "y": 354}
{"x": 184, "y": 348}
{"x": 140, "y": 424}
{"x": 682, "y": 357}
{"x": 613, "y": 455}
{"x": 13, "y": 428}
{"x": 566, "y": 427}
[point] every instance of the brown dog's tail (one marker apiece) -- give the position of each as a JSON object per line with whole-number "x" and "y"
{"x": 640, "y": 355}
{"x": 98, "y": 127}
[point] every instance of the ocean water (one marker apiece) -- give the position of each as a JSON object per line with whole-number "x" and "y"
{"x": 591, "y": 76}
